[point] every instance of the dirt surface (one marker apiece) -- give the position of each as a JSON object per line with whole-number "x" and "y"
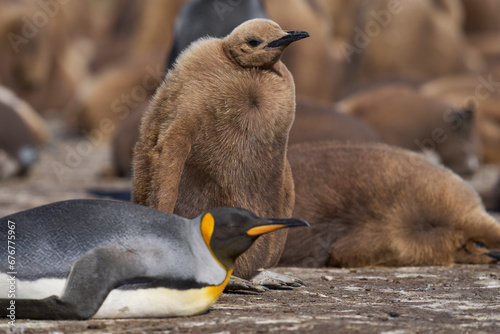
{"x": 458, "y": 299}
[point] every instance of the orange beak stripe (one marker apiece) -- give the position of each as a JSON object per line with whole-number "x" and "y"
{"x": 258, "y": 230}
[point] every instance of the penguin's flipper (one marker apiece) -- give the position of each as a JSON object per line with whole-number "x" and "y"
{"x": 91, "y": 279}
{"x": 165, "y": 179}
{"x": 37, "y": 309}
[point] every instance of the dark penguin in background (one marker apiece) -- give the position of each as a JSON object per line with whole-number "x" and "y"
{"x": 202, "y": 18}
{"x": 108, "y": 259}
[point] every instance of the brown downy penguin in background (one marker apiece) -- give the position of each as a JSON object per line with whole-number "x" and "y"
{"x": 317, "y": 67}
{"x": 491, "y": 197}
{"x": 373, "y": 204}
{"x": 42, "y": 62}
{"x": 404, "y": 117}
{"x": 481, "y": 16}
{"x": 317, "y": 122}
{"x": 481, "y": 91}
{"x": 22, "y": 133}
{"x": 416, "y": 40}
{"x": 216, "y": 134}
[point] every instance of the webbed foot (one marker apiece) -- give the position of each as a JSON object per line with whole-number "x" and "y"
{"x": 236, "y": 283}
{"x": 273, "y": 280}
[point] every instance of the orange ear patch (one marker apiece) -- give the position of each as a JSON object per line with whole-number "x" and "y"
{"x": 258, "y": 230}
{"x": 207, "y": 228}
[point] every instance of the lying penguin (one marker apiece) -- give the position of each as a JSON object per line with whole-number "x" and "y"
{"x": 378, "y": 205}
{"x": 108, "y": 259}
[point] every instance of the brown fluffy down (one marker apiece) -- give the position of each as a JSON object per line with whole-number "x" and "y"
{"x": 411, "y": 39}
{"x": 480, "y": 90}
{"x": 372, "y": 204}
{"x": 216, "y": 135}
{"x": 317, "y": 122}
{"x": 404, "y": 117}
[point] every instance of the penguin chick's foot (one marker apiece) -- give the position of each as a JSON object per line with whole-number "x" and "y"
{"x": 273, "y": 280}
{"x": 236, "y": 283}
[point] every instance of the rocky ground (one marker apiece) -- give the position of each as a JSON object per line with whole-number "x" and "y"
{"x": 458, "y": 299}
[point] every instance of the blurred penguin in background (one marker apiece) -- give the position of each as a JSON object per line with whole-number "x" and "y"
{"x": 22, "y": 133}
{"x": 202, "y": 18}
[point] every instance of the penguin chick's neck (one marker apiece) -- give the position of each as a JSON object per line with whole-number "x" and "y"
{"x": 276, "y": 66}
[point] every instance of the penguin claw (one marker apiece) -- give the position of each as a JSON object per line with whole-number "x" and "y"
{"x": 263, "y": 281}
{"x": 273, "y": 280}
{"x": 236, "y": 283}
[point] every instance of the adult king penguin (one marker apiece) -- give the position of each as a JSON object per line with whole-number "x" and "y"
{"x": 216, "y": 134}
{"x": 108, "y": 259}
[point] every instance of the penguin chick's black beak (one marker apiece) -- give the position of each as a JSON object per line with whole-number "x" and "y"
{"x": 495, "y": 255}
{"x": 275, "y": 224}
{"x": 290, "y": 37}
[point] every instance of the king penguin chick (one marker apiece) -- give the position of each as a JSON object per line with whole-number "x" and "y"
{"x": 216, "y": 134}
{"x": 373, "y": 204}
{"x": 108, "y": 259}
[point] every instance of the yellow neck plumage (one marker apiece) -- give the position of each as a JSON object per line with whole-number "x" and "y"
{"x": 207, "y": 229}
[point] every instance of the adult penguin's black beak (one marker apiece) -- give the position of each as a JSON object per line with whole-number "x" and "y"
{"x": 272, "y": 224}
{"x": 290, "y": 37}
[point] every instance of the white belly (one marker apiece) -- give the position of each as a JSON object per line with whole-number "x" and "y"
{"x": 157, "y": 302}
{"x": 141, "y": 303}
{"x": 38, "y": 289}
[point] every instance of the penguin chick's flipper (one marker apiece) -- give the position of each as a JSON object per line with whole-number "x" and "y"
{"x": 99, "y": 271}
{"x": 273, "y": 280}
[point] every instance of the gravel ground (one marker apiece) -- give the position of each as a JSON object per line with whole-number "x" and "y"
{"x": 458, "y": 299}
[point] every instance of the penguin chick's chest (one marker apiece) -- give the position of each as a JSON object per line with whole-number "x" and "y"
{"x": 228, "y": 99}
{"x": 255, "y": 103}
{"x": 249, "y": 118}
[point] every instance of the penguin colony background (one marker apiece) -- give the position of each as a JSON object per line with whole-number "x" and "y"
{"x": 321, "y": 131}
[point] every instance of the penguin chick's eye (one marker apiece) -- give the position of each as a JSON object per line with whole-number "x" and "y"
{"x": 254, "y": 42}
{"x": 480, "y": 245}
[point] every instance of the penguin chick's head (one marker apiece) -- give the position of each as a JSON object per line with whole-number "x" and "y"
{"x": 259, "y": 43}
{"x": 477, "y": 252}
{"x": 229, "y": 232}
